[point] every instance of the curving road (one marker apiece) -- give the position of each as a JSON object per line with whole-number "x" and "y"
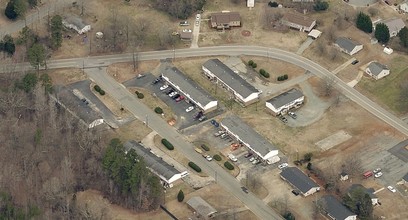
{"x": 351, "y": 93}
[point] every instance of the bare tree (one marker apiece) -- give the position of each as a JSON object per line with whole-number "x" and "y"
{"x": 327, "y": 86}
{"x": 333, "y": 54}
{"x": 373, "y": 11}
{"x": 331, "y": 34}
{"x": 352, "y": 165}
{"x": 140, "y": 31}
{"x": 331, "y": 176}
{"x": 322, "y": 48}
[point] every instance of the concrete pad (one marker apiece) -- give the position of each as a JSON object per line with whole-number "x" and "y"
{"x": 333, "y": 140}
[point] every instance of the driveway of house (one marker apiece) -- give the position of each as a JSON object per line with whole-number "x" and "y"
{"x": 305, "y": 45}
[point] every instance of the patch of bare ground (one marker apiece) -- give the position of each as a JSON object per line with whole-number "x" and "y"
{"x": 66, "y": 76}
{"x": 218, "y": 198}
{"x": 177, "y": 156}
{"x": 152, "y": 102}
{"x": 94, "y": 203}
{"x": 275, "y": 68}
{"x": 134, "y": 130}
{"x": 125, "y": 71}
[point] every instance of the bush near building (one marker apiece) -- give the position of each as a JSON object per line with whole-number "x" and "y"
{"x": 167, "y": 144}
{"x": 158, "y": 110}
{"x": 194, "y": 167}
{"x": 264, "y": 73}
{"x": 228, "y": 165}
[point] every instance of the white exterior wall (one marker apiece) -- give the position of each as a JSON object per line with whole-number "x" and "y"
{"x": 356, "y": 49}
{"x": 210, "y": 105}
{"x": 95, "y": 123}
{"x": 287, "y": 106}
{"x": 379, "y": 76}
{"x": 311, "y": 191}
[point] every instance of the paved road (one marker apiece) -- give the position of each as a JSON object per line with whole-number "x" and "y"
{"x": 290, "y": 57}
{"x": 130, "y": 102}
{"x": 34, "y": 16}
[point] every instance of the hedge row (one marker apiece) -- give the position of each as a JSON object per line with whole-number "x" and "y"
{"x": 98, "y": 89}
{"x": 264, "y": 73}
{"x": 158, "y": 110}
{"x": 228, "y": 165}
{"x": 283, "y": 77}
{"x": 205, "y": 147}
{"x": 194, "y": 167}
{"x": 217, "y": 157}
{"x": 252, "y": 64}
{"x": 167, "y": 144}
{"x": 139, "y": 95}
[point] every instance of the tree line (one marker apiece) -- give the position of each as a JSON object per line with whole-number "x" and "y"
{"x": 180, "y": 9}
{"x": 17, "y": 8}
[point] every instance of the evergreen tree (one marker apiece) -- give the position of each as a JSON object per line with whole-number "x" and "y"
{"x": 56, "y": 31}
{"x": 403, "y": 36}
{"x": 180, "y": 196}
{"x": 382, "y": 33}
{"x": 8, "y": 45}
{"x": 36, "y": 55}
{"x": 364, "y": 22}
{"x": 10, "y": 11}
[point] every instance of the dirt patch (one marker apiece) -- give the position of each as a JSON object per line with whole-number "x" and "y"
{"x": 124, "y": 71}
{"x": 333, "y": 140}
{"x": 66, "y": 76}
{"x": 134, "y": 130}
{"x": 177, "y": 156}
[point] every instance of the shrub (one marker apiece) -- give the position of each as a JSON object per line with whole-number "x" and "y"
{"x": 205, "y": 147}
{"x": 97, "y": 88}
{"x": 308, "y": 157}
{"x": 217, "y": 157}
{"x": 167, "y": 144}
{"x": 251, "y": 62}
{"x": 137, "y": 92}
{"x": 254, "y": 65}
{"x": 280, "y": 78}
{"x": 309, "y": 166}
{"x": 158, "y": 110}
{"x": 102, "y": 92}
{"x": 273, "y": 4}
{"x": 228, "y": 165}
{"x": 285, "y": 77}
{"x": 180, "y": 196}
{"x": 194, "y": 167}
{"x": 140, "y": 95}
{"x": 264, "y": 73}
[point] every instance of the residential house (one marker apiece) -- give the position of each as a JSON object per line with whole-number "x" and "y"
{"x": 225, "y": 20}
{"x": 298, "y": 21}
{"x": 394, "y": 25}
{"x": 246, "y": 135}
{"x": 282, "y": 103}
{"x": 201, "y": 207}
{"x": 404, "y": 6}
{"x": 377, "y": 70}
{"x": 335, "y": 210}
{"x": 300, "y": 181}
{"x": 166, "y": 172}
{"x": 186, "y": 35}
{"x": 242, "y": 91}
{"x": 369, "y": 191}
{"x": 348, "y": 46}
{"x": 189, "y": 89}
{"x": 76, "y": 23}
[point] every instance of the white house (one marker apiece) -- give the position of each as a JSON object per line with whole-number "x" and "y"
{"x": 377, "y": 70}
{"x": 242, "y": 91}
{"x": 76, "y": 23}
{"x": 348, "y": 46}
{"x": 282, "y": 103}
{"x": 404, "y": 7}
{"x": 190, "y": 89}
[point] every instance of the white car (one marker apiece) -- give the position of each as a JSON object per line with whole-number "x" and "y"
{"x": 198, "y": 16}
{"x": 377, "y": 170}
{"x": 379, "y": 174}
{"x": 392, "y": 189}
{"x": 209, "y": 158}
{"x": 187, "y": 30}
{"x": 283, "y": 165}
{"x": 232, "y": 157}
{"x": 173, "y": 94}
{"x": 255, "y": 161}
{"x": 164, "y": 87}
{"x": 251, "y": 159}
{"x": 189, "y": 109}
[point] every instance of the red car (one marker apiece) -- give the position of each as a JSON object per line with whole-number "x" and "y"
{"x": 180, "y": 98}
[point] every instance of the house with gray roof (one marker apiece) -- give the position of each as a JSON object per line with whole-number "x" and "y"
{"x": 405, "y": 178}
{"x": 377, "y": 70}
{"x": 190, "y": 89}
{"x": 335, "y": 210}
{"x": 369, "y": 191}
{"x": 394, "y": 25}
{"x": 166, "y": 172}
{"x": 201, "y": 207}
{"x": 348, "y": 46}
{"x": 283, "y": 102}
{"x": 249, "y": 137}
{"x": 78, "y": 106}
{"x": 76, "y": 23}
{"x": 242, "y": 91}
{"x": 299, "y": 180}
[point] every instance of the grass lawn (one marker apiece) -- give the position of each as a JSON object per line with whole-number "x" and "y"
{"x": 386, "y": 91}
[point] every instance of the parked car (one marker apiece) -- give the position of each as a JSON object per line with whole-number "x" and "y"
{"x": 295, "y": 192}
{"x": 198, "y": 16}
{"x": 392, "y": 189}
{"x": 377, "y": 170}
{"x": 232, "y": 158}
{"x": 155, "y": 81}
{"x": 189, "y": 109}
{"x": 251, "y": 159}
{"x": 184, "y": 23}
{"x": 256, "y": 161}
{"x": 379, "y": 174}
{"x": 179, "y": 98}
{"x": 176, "y": 96}
{"x": 209, "y": 158}
{"x": 244, "y": 189}
{"x": 165, "y": 86}
{"x": 140, "y": 76}
{"x": 292, "y": 115}
{"x": 354, "y": 62}
{"x": 215, "y": 123}
{"x": 187, "y": 30}
{"x": 283, "y": 119}
{"x": 283, "y": 165}
{"x": 198, "y": 115}
{"x": 198, "y": 150}
{"x": 202, "y": 118}
{"x": 248, "y": 155}
{"x": 197, "y": 22}
{"x": 173, "y": 94}
{"x": 170, "y": 91}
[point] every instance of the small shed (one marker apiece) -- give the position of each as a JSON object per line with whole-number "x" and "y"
{"x": 314, "y": 34}
{"x": 344, "y": 176}
{"x": 201, "y": 207}
{"x": 377, "y": 70}
{"x": 76, "y": 23}
{"x": 388, "y": 50}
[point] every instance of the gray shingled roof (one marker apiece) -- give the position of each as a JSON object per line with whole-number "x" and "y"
{"x": 247, "y": 134}
{"x": 394, "y": 24}
{"x": 201, "y": 206}
{"x": 152, "y": 161}
{"x": 229, "y": 77}
{"x": 285, "y": 98}
{"x": 298, "y": 179}
{"x": 347, "y": 44}
{"x": 376, "y": 68}
{"x": 405, "y": 177}
{"x": 335, "y": 209}
{"x": 82, "y": 110}
{"x": 188, "y": 86}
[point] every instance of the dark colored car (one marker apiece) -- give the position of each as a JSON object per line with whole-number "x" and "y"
{"x": 202, "y": 118}
{"x": 244, "y": 189}
{"x": 295, "y": 192}
{"x": 170, "y": 91}
{"x": 248, "y": 155}
{"x": 155, "y": 81}
{"x": 176, "y": 96}
{"x": 215, "y": 123}
{"x": 355, "y": 62}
